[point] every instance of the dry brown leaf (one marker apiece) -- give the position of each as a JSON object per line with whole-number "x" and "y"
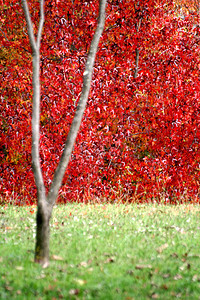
{"x": 45, "y": 265}
{"x": 155, "y": 296}
{"x": 74, "y": 292}
{"x": 185, "y": 266}
{"x": 166, "y": 276}
{"x": 83, "y": 264}
{"x": 19, "y": 268}
{"x": 162, "y": 248}
{"x": 164, "y": 287}
{"x": 110, "y": 260}
{"x": 18, "y": 292}
{"x": 140, "y": 267}
{"x": 8, "y": 288}
{"x": 177, "y": 277}
{"x": 196, "y": 278}
{"x": 194, "y": 255}
{"x": 56, "y": 257}
{"x": 80, "y": 281}
{"x": 174, "y": 255}
{"x": 41, "y": 276}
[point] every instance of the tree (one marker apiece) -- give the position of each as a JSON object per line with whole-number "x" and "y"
{"x": 46, "y": 202}
{"x": 140, "y": 134}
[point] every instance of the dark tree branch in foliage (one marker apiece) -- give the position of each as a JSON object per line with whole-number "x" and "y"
{"x": 136, "y": 62}
{"x": 137, "y": 52}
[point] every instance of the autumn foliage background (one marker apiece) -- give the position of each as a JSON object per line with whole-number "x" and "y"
{"x": 139, "y": 140}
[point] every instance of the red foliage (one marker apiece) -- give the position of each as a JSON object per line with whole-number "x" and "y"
{"x": 140, "y": 136}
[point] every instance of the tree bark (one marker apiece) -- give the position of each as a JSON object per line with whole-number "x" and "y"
{"x": 42, "y": 234}
{"x": 46, "y": 203}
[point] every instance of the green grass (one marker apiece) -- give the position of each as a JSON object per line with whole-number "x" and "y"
{"x": 103, "y": 252}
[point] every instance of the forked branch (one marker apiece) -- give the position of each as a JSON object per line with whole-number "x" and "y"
{"x": 87, "y": 77}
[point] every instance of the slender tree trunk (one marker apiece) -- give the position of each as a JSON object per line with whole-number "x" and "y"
{"x": 46, "y": 203}
{"x": 44, "y": 212}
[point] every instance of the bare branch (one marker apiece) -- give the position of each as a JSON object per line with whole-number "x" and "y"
{"x": 41, "y": 23}
{"x": 29, "y": 26}
{"x": 36, "y": 98}
{"x": 87, "y": 77}
{"x": 4, "y": 35}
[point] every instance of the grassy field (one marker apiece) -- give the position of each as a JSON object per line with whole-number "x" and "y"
{"x": 103, "y": 252}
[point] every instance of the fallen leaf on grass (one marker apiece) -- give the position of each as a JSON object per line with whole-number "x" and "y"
{"x": 1, "y": 259}
{"x": 179, "y": 229}
{"x": 18, "y": 292}
{"x": 56, "y": 257}
{"x": 175, "y": 295}
{"x": 165, "y": 276}
{"x": 177, "y": 277}
{"x": 174, "y": 255}
{"x": 90, "y": 270}
{"x": 162, "y": 248}
{"x": 45, "y": 265}
{"x": 109, "y": 260}
{"x": 50, "y": 287}
{"x": 196, "y": 278}
{"x": 164, "y": 287}
{"x": 130, "y": 272}
{"x": 83, "y": 264}
{"x": 191, "y": 255}
{"x": 8, "y": 228}
{"x": 42, "y": 275}
{"x": 74, "y": 292}
{"x": 155, "y": 296}
{"x": 9, "y": 288}
{"x": 141, "y": 267}
{"x": 80, "y": 281}
{"x": 185, "y": 266}
{"x": 107, "y": 254}
{"x": 19, "y": 268}
{"x": 106, "y": 217}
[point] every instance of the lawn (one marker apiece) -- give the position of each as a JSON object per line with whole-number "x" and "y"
{"x": 103, "y": 252}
